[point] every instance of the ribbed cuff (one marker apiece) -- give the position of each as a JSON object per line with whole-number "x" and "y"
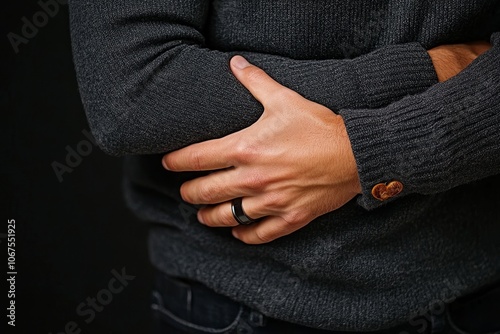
{"x": 430, "y": 142}
{"x": 391, "y": 73}
{"x": 386, "y": 143}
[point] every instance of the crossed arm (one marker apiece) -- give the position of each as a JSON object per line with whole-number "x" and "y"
{"x": 291, "y": 166}
{"x": 150, "y": 85}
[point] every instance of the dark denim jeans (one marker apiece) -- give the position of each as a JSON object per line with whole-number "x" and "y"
{"x": 182, "y": 307}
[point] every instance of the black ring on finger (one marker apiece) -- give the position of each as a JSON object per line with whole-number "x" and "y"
{"x": 239, "y": 214}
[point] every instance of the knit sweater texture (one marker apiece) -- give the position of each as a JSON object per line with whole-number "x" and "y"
{"x": 154, "y": 77}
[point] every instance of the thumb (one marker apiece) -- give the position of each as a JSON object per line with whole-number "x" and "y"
{"x": 260, "y": 85}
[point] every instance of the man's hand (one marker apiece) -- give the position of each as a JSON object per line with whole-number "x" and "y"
{"x": 449, "y": 60}
{"x": 291, "y": 166}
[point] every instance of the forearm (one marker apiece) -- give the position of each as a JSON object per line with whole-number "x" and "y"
{"x": 149, "y": 84}
{"x": 434, "y": 141}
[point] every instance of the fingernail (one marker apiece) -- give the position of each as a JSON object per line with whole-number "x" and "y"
{"x": 235, "y": 233}
{"x": 240, "y": 63}
{"x": 200, "y": 219}
{"x": 164, "y": 163}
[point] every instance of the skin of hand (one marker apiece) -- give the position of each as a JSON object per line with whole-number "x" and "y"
{"x": 449, "y": 60}
{"x": 294, "y": 164}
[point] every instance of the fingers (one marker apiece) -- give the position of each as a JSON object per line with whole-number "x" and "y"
{"x": 272, "y": 226}
{"x": 208, "y": 155}
{"x": 218, "y": 187}
{"x": 260, "y": 85}
{"x": 222, "y": 216}
{"x": 267, "y": 230}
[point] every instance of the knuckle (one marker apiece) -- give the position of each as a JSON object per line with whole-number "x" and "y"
{"x": 263, "y": 237}
{"x": 285, "y": 97}
{"x": 256, "y": 75}
{"x": 245, "y": 152}
{"x": 195, "y": 160}
{"x": 286, "y": 94}
{"x": 295, "y": 217}
{"x": 255, "y": 181}
{"x": 274, "y": 200}
{"x": 206, "y": 193}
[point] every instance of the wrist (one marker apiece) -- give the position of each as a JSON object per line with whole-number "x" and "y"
{"x": 449, "y": 60}
{"x": 349, "y": 159}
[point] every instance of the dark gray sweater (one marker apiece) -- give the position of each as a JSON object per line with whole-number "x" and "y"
{"x": 154, "y": 77}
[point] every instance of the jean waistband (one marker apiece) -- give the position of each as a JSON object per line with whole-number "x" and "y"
{"x": 434, "y": 321}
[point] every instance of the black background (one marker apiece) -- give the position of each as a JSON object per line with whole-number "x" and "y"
{"x": 70, "y": 235}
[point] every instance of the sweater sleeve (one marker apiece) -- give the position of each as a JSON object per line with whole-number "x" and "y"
{"x": 149, "y": 84}
{"x": 447, "y": 136}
